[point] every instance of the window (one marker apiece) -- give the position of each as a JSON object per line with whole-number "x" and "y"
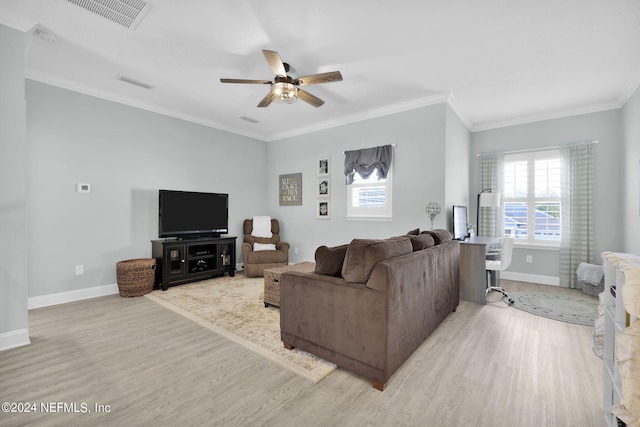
{"x": 531, "y": 191}
{"x": 370, "y": 198}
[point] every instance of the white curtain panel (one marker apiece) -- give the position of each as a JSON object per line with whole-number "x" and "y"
{"x": 576, "y": 210}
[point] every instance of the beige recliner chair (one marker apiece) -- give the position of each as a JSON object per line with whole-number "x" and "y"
{"x": 255, "y": 262}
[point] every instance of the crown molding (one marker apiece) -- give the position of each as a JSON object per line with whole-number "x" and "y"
{"x": 453, "y": 103}
{"x": 131, "y": 102}
{"x": 631, "y": 89}
{"x": 370, "y": 114}
{"x": 15, "y": 21}
{"x": 366, "y": 115}
{"x": 444, "y": 97}
{"x": 547, "y": 115}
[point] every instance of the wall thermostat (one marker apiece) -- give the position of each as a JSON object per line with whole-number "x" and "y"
{"x": 83, "y": 188}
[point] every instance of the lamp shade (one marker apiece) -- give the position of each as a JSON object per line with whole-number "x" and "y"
{"x": 433, "y": 208}
{"x": 489, "y": 200}
{"x": 284, "y": 93}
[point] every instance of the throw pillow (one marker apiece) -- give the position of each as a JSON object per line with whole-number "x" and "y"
{"x": 329, "y": 260}
{"x": 261, "y": 226}
{"x": 439, "y": 235}
{"x": 414, "y": 232}
{"x": 422, "y": 241}
{"x": 264, "y": 247}
{"x": 363, "y": 254}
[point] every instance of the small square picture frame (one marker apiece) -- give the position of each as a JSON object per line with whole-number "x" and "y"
{"x": 323, "y": 166}
{"x": 323, "y": 209}
{"x": 323, "y": 187}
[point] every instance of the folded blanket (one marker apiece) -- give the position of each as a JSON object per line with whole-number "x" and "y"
{"x": 628, "y": 355}
{"x": 630, "y": 266}
{"x": 631, "y": 290}
{"x": 590, "y": 273}
{"x": 261, "y": 226}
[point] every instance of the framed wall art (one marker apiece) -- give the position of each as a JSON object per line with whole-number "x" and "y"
{"x": 323, "y": 166}
{"x": 290, "y": 189}
{"x": 323, "y": 187}
{"x": 323, "y": 209}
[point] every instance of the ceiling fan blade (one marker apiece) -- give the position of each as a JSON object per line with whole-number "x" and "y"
{"x": 332, "y": 76}
{"x": 311, "y": 99}
{"x": 257, "y": 82}
{"x": 276, "y": 64}
{"x": 266, "y": 100}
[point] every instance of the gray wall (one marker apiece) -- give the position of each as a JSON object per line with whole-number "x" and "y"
{"x": 126, "y": 155}
{"x": 604, "y": 126}
{"x": 631, "y": 187}
{"x": 420, "y": 171}
{"x": 457, "y": 166}
{"x": 13, "y": 186}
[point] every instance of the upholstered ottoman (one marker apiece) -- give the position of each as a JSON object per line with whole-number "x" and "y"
{"x": 272, "y": 280}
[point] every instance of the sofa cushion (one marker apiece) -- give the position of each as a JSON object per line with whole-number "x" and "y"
{"x": 264, "y": 247}
{"x": 266, "y": 257}
{"x": 422, "y": 241}
{"x": 329, "y": 260}
{"x": 363, "y": 254}
{"x": 439, "y": 235}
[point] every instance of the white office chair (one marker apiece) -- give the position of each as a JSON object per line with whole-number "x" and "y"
{"x": 494, "y": 267}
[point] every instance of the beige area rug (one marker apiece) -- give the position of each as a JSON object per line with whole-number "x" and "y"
{"x": 234, "y": 308}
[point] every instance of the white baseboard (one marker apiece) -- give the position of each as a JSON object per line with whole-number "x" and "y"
{"x": 531, "y": 278}
{"x": 14, "y": 339}
{"x": 70, "y": 296}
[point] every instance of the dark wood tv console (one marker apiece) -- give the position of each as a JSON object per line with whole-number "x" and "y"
{"x": 189, "y": 260}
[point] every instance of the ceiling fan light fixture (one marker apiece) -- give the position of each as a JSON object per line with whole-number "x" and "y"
{"x": 284, "y": 89}
{"x": 284, "y": 93}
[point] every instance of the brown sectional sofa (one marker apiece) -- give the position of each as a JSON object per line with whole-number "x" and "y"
{"x": 370, "y": 304}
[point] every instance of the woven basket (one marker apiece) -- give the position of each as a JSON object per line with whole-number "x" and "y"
{"x": 136, "y": 276}
{"x": 591, "y": 289}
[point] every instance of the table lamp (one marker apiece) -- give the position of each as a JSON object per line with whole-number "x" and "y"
{"x": 486, "y": 199}
{"x": 433, "y": 209}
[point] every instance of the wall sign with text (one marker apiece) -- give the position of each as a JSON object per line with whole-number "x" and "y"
{"x": 290, "y": 189}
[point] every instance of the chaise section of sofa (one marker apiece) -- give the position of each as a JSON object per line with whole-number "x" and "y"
{"x": 377, "y": 311}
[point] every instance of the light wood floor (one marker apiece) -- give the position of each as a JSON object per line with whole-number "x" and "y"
{"x": 487, "y": 365}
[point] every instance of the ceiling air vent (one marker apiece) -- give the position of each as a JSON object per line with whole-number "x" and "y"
{"x": 134, "y": 81}
{"x": 248, "y": 119}
{"x": 128, "y": 13}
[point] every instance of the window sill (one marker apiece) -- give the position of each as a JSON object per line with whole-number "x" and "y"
{"x": 539, "y": 246}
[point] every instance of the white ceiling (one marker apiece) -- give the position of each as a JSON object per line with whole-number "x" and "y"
{"x": 497, "y": 62}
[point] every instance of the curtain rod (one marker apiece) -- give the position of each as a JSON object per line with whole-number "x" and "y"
{"x": 533, "y": 150}
{"x": 393, "y": 145}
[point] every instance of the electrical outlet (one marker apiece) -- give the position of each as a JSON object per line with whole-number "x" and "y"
{"x": 295, "y": 250}
{"x": 529, "y": 259}
{"x": 79, "y": 270}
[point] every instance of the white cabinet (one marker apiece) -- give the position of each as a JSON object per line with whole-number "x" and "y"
{"x": 615, "y": 320}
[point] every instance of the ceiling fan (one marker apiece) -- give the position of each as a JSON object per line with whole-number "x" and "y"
{"x": 284, "y": 88}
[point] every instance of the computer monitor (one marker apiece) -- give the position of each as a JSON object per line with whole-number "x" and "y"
{"x": 460, "y": 222}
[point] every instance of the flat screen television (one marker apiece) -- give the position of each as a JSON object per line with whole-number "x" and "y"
{"x": 460, "y": 222}
{"x": 190, "y": 214}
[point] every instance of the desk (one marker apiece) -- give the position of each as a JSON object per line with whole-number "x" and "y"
{"x": 473, "y": 275}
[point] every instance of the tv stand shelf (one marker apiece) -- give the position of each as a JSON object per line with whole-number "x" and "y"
{"x": 189, "y": 260}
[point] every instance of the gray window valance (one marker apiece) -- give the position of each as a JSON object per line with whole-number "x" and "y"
{"x": 365, "y": 161}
